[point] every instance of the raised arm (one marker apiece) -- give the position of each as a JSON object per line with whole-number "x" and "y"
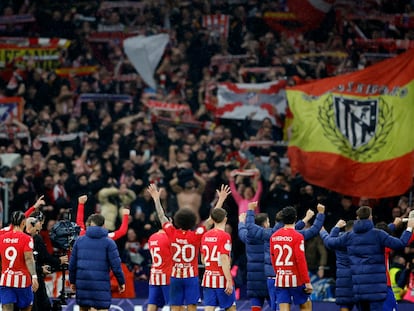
{"x": 237, "y": 197}
{"x": 155, "y": 194}
{"x": 302, "y": 222}
{"x": 81, "y": 212}
{"x": 201, "y": 183}
{"x": 40, "y": 202}
{"x": 317, "y": 225}
{"x": 222, "y": 194}
{"x": 123, "y": 228}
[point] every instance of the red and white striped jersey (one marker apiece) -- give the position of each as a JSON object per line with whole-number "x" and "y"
{"x": 287, "y": 250}
{"x": 215, "y": 242}
{"x": 14, "y": 272}
{"x": 160, "y": 249}
{"x": 185, "y": 246}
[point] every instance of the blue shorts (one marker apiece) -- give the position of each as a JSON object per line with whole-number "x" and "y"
{"x": 272, "y": 294}
{"x": 22, "y": 297}
{"x": 158, "y": 295}
{"x": 216, "y": 297}
{"x": 184, "y": 291}
{"x": 257, "y": 301}
{"x": 289, "y": 294}
{"x": 390, "y": 303}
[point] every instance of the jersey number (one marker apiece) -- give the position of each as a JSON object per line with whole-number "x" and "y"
{"x": 185, "y": 252}
{"x": 156, "y": 257}
{"x": 284, "y": 255}
{"x": 11, "y": 255}
{"x": 214, "y": 256}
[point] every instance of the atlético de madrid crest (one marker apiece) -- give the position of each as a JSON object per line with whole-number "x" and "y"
{"x": 358, "y": 127}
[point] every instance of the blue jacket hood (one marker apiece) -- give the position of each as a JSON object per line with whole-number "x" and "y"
{"x": 364, "y": 225}
{"x": 95, "y": 232}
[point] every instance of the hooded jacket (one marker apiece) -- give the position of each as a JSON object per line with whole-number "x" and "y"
{"x": 365, "y": 247}
{"x": 92, "y": 258}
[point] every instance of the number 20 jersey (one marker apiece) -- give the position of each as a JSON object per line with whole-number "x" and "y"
{"x": 287, "y": 250}
{"x": 185, "y": 247}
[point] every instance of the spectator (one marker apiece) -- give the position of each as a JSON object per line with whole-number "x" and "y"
{"x": 111, "y": 200}
{"x": 189, "y": 188}
{"x": 244, "y": 194}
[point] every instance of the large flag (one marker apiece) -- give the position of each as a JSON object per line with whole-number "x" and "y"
{"x": 298, "y": 15}
{"x": 353, "y": 134}
{"x": 145, "y": 53}
{"x": 258, "y": 100}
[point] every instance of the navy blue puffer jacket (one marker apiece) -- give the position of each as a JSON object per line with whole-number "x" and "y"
{"x": 343, "y": 291}
{"x": 366, "y": 249}
{"x": 256, "y": 280}
{"x": 92, "y": 258}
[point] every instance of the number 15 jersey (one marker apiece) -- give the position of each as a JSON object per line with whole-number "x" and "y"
{"x": 287, "y": 250}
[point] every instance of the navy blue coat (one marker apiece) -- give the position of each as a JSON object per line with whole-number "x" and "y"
{"x": 256, "y": 280}
{"x": 92, "y": 258}
{"x": 365, "y": 246}
{"x": 343, "y": 291}
{"x": 264, "y": 234}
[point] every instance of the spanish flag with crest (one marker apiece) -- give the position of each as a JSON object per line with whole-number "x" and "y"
{"x": 354, "y": 133}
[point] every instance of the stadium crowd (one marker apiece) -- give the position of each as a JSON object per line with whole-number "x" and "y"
{"x": 112, "y": 149}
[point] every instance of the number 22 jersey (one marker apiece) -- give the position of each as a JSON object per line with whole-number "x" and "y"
{"x": 287, "y": 250}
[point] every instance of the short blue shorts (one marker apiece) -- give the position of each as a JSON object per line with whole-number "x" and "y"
{"x": 184, "y": 291}
{"x": 216, "y": 297}
{"x": 158, "y": 295}
{"x": 22, "y": 297}
{"x": 291, "y": 294}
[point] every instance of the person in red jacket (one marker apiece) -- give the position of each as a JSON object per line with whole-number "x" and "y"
{"x": 287, "y": 250}
{"x": 115, "y": 235}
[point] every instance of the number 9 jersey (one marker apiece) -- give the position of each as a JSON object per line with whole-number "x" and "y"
{"x": 14, "y": 272}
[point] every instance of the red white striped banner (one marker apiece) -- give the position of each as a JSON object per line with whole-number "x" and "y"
{"x": 217, "y": 24}
{"x": 6, "y": 42}
{"x": 164, "y": 106}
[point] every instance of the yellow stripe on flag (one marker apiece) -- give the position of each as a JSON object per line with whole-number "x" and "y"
{"x": 353, "y": 133}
